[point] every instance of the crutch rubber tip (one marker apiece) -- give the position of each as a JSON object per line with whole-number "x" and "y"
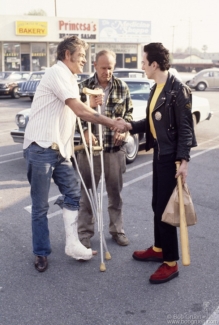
{"x": 102, "y": 267}
{"x": 107, "y": 256}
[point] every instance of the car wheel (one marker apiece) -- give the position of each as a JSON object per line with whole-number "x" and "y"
{"x": 201, "y": 86}
{"x": 131, "y": 148}
{"x": 14, "y": 93}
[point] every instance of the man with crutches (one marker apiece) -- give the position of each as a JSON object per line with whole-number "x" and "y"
{"x": 115, "y": 102}
{"x": 49, "y": 145}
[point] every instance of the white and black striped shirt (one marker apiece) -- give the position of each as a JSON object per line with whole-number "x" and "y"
{"x": 51, "y": 121}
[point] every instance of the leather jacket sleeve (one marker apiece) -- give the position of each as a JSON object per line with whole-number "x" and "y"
{"x": 138, "y": 126}
{"x": 184, "y": 123}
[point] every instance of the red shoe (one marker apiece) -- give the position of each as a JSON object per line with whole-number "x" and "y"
{"x": 164, "y": 273}
{"x": 148, "y": 255}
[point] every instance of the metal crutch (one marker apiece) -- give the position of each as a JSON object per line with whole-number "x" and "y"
{"x": 94, "y": 198}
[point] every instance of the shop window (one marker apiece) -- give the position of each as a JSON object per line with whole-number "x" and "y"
{"x": 12, "y": 56}
{"x": 1, "y": 56}
{"x": 52, "y": 53}
{"x": 130, "y": 61}
{"x": 119, "y": 60}
{"x": 86, "y": 66}
{"x": 39, "y": 57}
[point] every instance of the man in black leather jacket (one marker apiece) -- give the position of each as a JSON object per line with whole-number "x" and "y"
{"x": 169, "y": 131}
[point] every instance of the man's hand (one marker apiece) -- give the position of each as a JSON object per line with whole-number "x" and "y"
{"x": 94, "y": 139}
{"x": 96, "y": 100}
{"x": 128, "y": 126}
{"x": 183, "y": 171}
{"x": 119, "y": 138}
{"x": 120, "y": 125}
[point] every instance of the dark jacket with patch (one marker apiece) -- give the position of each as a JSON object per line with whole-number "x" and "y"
{"x": 172, "y": 118}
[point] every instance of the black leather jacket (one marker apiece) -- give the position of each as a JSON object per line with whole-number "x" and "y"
{"x": 172, "y": 119}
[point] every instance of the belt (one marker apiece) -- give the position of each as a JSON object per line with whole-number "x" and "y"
{"x": 54, "y": 146}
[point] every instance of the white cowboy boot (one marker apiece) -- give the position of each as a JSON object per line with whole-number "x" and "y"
{"x": 73, "y": 246}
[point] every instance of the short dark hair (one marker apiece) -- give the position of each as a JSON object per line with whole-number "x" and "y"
{"x": 158, "y": 53}
{"x": 70, "y": 43}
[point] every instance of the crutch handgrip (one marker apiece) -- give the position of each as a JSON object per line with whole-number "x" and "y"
{"x": 94, "y": 92}
{"x": 79, "y": 147}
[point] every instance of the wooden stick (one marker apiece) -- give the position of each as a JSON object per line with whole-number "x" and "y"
{"x": 184, "y": 238}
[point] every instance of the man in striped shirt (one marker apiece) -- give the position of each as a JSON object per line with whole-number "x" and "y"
{"x": 48, "y": 146}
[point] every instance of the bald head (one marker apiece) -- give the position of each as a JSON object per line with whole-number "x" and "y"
{"x": 104, "y": 66}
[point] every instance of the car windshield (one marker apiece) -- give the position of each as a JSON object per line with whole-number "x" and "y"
{"x": 82, "y": 77}
{"x": 17, "y": 76}
{"x": 36, "y": 76}
{"x": 4, "y": 75}
{"x": 139, "y": 90}
{"x": 128, "y": 74}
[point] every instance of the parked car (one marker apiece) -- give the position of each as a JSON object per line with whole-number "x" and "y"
{"x": 28, "y": 88}
{"x": 138, "y": 73}
{"x": 207, "y": 78}
{"x": 175, "y": 73}
{"x": 82, "y": 76}
{"x": 129, "y": 73}
{"x": 139, "y": 89}
{"x": 10, "y": 81}
{"x": 4, "y": 74}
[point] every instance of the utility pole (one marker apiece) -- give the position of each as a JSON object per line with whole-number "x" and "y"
{"x": 173, "y": 40}
{"x": 190, "y": 43}
{"x": 55, "y": 8}
{"x": 190, "y": 40}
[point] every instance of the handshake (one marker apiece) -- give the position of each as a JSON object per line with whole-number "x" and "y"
{"x": 120, "y": 125}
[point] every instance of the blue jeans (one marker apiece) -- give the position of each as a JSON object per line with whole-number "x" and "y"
{"x": 42, "y": 165}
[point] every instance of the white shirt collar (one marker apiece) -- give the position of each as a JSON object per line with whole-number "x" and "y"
{"x": 64, "y": 66}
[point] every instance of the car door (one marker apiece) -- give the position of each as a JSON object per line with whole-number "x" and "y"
{"x": 216, "y": 79}
{"x": 210, "y": 79}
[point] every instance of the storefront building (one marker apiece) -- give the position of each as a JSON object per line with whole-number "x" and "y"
{"x": 28, "y": 43}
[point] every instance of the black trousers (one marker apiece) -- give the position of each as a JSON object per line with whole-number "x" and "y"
{"x": 164, "y": 182}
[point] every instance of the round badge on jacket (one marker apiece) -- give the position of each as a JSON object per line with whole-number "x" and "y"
{"x": 158, "y": 116}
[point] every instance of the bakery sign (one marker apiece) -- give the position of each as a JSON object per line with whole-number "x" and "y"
{"x": 86, "y": 29}
{"x": 31, "y": 28}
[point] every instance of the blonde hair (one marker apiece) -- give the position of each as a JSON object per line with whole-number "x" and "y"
{"x": 104, "y": 52}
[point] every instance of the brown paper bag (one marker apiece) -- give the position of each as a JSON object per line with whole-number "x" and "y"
{"x": 171, "y": 212}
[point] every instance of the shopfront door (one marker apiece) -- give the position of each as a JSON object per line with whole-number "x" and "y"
{"x": 25, "y": 57}
{"x": 25, "y": 62}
